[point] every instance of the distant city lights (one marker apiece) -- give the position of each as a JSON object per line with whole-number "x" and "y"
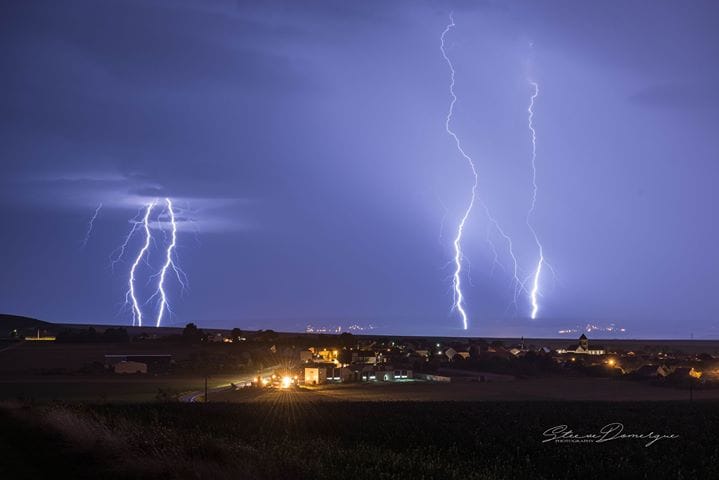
{"x": 590, "y": 327}
{"x": 337, "y": 328}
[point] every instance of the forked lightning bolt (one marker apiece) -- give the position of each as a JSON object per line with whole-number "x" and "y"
{"x": 458, "y": 255}
{"x": 516, "y": 281}
{"x": 169, "y": 263}
{"x": 146, "y": 225}
{"x": 120, "y": 251}
{"x": 131, "y": 296}
{"x": 457, "y": 244}
{"x": 534, "y": 292}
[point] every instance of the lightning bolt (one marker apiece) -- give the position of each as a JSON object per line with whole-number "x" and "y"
{"x": 534, "y": 293}
{"x": 458, "y": 255}
{"x": 90, "y": 226}
{"x": 143, "y": 222}
{"x": 117, "y": 254}
{"x": 457, "y": 244}
{"x": 516, "y": 281}
{"x": 130, "y": 296}
{"x": 169, "y": 263}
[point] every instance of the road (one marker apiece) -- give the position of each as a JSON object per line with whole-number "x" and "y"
{"x": 241, "y": 381}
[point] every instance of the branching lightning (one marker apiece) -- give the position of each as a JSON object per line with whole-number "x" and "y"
{"x": 130, "y": 295}
{"x": 169, "y": 263}
{"x": 120, "y": 251}
{"x": 534, "y": 292}
{"x": 170, "y": 260}
{"x": 458, "y": 255}
{"x": 143, "y": 222}
{"x": 516, "y": 282}
{"x": 90, "y": 226}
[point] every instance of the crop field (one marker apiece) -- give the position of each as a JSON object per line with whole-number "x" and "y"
{"x": 556, "y": 388}
{"x": 33, "y": 356}
{"x": 100, "y": 389}
{"x": 285, "y": 439}
{"x": 134, "y": 388}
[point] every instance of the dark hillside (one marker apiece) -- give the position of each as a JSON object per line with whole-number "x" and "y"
{"x": 23, "y": 325}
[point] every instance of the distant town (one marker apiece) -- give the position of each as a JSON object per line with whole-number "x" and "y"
{"x": 266, "y": 359}
{"x": 233, "y": 401}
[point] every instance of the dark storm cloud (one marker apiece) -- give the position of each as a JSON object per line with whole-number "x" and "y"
{"x": 105, "y": 93}
{"x": 161, "y": 46}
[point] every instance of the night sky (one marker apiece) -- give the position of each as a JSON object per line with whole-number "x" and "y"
{"x": 304, "y": 146}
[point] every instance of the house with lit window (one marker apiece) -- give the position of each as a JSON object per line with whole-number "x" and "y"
{"x": 326, "y": 355}
{"x": 392, "y": 374}
{"x": 319, "y": 373}
{"x": 315, "y": 375}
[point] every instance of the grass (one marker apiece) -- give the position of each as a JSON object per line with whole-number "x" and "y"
{"x": 30, "y": 450}
{"x": 383, "y": 440}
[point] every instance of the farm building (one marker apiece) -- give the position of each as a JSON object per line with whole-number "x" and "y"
{"x": 153, "y": 363}
{"x": 130, "y": 367}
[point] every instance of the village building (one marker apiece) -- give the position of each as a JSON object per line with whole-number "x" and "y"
{"x": 364, "y": 356}
{"x": 315, "y": 375}
{"x": 327, "y": 355}
{"x": 450, "y": 353}
{"x": 583, "y": 348}
{"x": 160, "y": 363}
{"x": 647, "y": 371}
{"x": 319, "y": 373}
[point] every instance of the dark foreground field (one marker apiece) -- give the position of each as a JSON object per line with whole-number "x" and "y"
{"x": 372, "y": 440}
